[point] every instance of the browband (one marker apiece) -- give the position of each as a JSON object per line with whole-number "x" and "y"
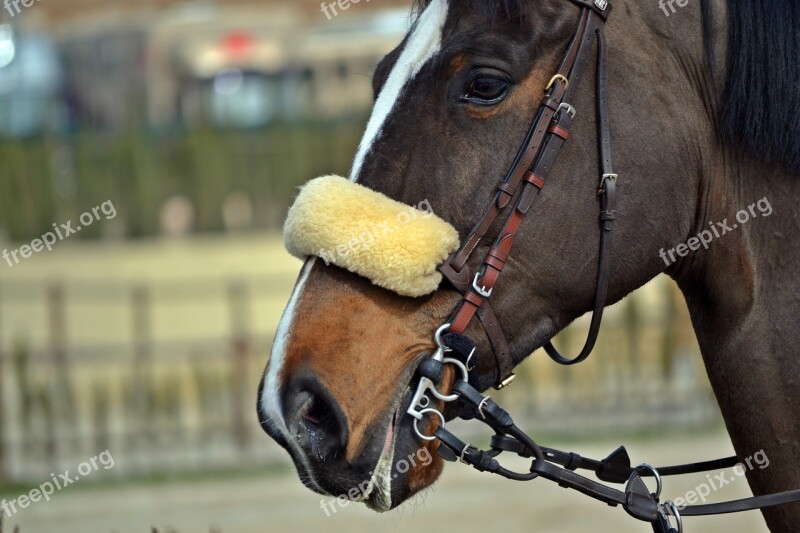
{"x": 394, "y": 245}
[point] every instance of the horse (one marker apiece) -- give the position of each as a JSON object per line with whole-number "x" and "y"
{"x": 704, "y": 102}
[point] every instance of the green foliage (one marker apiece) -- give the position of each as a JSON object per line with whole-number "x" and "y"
{"x": 49, "y": 180}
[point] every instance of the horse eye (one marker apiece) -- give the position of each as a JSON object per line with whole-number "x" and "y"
{"x": 486, "y": 90}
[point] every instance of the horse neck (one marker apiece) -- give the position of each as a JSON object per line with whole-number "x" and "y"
{"x": 744, "y": 300}
{"x": 742, "y": 292}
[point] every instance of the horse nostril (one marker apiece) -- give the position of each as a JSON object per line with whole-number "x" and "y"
{"x": 317, "y": 413}
{"x": 315, "y": 424}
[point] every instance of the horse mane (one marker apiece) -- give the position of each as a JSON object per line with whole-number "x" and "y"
{"x": 760, "y": 107}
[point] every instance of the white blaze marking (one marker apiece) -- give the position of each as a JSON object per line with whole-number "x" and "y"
{"x": 270, "y": 398}
{"x": 421, "y": 46}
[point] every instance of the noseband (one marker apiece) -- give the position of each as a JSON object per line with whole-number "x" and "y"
{"x": 525, "y": 179}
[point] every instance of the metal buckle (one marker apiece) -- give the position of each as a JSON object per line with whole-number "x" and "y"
{"x": 506, "y": 382}
{"x": 673, "y": 510}
{"x": 612, "y": 177}
{"x": 464, "y": 452}
{"x": 481, "y": 290}
{"x": 553, "y": 80}
{"x": 482, "y": 405}
{"x": 568, "y": 108}
{"x": 601, "y": 4}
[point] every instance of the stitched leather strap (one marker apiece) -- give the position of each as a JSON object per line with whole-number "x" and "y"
{"x": 747, "y": 504}
{"x": 608, "y": 211}
{"x": 527, "y": 153}
{"x": 526, "y": 178}
{"x": 529, "y": 173}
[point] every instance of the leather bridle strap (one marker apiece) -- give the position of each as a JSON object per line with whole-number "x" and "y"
{"x": 636, "y": 498}
{"x": 528, "y": 175}
{"x": 527, "y": 154}
{"x": 608, "y": 210}
{"x": 531, "y": 168}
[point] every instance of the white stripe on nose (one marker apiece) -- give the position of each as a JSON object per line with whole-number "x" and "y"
{"x": 270, "y": 396}
{"x": 424, "y": 42}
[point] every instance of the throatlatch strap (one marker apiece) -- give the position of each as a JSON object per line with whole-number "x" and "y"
{"x": 608, "y": 210}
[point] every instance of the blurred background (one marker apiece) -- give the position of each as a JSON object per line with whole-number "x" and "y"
{"x": 145, "y": 333}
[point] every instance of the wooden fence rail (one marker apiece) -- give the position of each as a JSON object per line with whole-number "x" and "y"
{"x": 169, "y": 405}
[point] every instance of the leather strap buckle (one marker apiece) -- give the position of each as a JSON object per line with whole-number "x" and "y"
{"x": 568, "y": 108}
{"x": 556, "y": 78}
{"x": 612, "y": 177}
{"x": 464, "y": 452}
{"x": 483, "y": 291}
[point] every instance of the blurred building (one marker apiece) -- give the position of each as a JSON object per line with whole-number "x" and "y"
{"x": 61, "y": 11}
{"x": 244, "y": 63}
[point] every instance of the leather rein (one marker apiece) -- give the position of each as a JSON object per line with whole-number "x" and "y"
{"x": 527, "y": 176}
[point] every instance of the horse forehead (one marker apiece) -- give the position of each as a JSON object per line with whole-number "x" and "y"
{"x": 423, "y": 43}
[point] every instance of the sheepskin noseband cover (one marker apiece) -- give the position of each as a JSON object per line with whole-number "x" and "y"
{"x": 394, "y": 245}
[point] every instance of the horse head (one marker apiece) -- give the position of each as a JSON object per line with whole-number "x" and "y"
{"x": 454, "y": 103}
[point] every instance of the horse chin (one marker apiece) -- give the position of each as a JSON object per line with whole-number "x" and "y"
{"x": 390, "y": 485}
{"x": 379, "y": 494}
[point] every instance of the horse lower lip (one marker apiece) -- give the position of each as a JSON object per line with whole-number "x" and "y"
{"x": 389, "y": 440}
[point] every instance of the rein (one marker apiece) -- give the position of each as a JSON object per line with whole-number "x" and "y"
{"x": 525, "y": 179}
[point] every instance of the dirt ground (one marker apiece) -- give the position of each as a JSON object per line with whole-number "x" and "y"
{"x": 462, "y": 499}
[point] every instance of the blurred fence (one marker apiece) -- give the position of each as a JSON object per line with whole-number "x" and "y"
{"x": 184, "y": 405}
{"x": 159, "y": 407}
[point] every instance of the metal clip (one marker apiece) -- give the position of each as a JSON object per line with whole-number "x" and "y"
{"x": 428, "y": 438}
{"x": 506, "y": 382}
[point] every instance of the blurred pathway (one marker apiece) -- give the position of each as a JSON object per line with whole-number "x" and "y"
{"x": 463, "y": 499}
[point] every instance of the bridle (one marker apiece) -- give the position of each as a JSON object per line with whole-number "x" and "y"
{"x": 527, "y": 176}
{"x": 547, "y": 134}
